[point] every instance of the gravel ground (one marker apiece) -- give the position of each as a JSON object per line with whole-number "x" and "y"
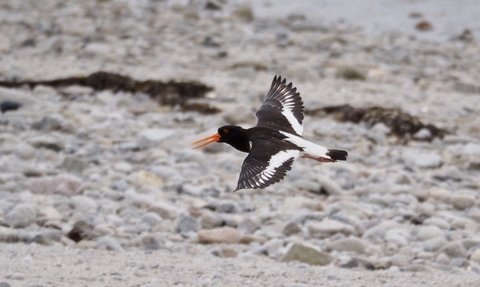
{"x": 31, "y": 265}
{"x": 102, "y": 186}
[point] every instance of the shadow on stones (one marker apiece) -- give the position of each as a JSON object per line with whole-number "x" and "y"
{"x": 171, "y": 93}
{"x": 401, "y": 124}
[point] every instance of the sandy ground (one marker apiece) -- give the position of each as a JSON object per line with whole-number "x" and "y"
{"x": 58, "y": 266}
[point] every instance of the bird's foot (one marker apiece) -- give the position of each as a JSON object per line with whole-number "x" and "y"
{"x": 319, "y": 159}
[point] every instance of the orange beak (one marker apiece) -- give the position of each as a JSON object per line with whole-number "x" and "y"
{"x": 206, "y": 141}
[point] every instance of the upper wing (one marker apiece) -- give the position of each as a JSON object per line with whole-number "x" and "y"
{"x": 282, "y": 109}
{"x": 265, "y": 166}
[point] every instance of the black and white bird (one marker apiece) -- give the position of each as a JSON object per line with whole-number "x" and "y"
{"x": 275, "y": 142}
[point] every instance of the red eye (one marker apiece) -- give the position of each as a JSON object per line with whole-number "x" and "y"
{"x": 225, "y": 131}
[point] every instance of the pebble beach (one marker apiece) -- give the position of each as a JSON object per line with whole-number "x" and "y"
{"x": 99, "y": 185}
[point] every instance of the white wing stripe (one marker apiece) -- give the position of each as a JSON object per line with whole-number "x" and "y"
{"x": 288, "y": 114}
{"x": 276, "y": 161}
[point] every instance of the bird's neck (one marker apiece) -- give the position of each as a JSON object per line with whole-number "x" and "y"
{"x": 242, "y": 142}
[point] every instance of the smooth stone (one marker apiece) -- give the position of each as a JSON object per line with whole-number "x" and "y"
{"x": 306, "y": 254}
{"x": 248, "y": 238}
{"x": 22, "y": 215}
{"x": 472, "y": 149}
{"x": 15, "y": 276}
{"x": 244, "y": 12}
{"x": 150, "y": 242}
{"x": 308, "y": 185}
{"x": 151, "y": 219}
{"x": 186, "y": 223}
{"x": 458, "y": 222}
{"x": 424, "y": 160}
{"x": 74, "y": 165}
{"x": 84, "y": 204}
{"x": 440, "y": 194}
{"x": 227, "y": 207}
{"x": 459, "y": 262}
{"x": 25, "y": 151}
{"x": 165, "y": 210}
{"x": 248, "y": 226}
{"x": 190, "y": 189}
{"x": 153, "y": 137}
{"x": 454, "y": 249}
{"x": 462, "y": 201}
{"x": 61, "y": 184}
{"x": 434, "y": 244}
{"x": 219, "y": 235}
{"x": 350, "y": 244}
{"x": 291, "y": 228}
{"x": 416, "y": 268}
{"x": 440, "y": 223}
{"x": 165, "y": 172}
{"x": 442, "y": 258}
{"x": 49, "y": 123}
{"x": 209, "y": 220}
{"x": 350, "y": 73}
{"x": 5, "y": 284}
{"x": 329, "y": 186}
{"x": 429, "y": 232}
{"x": 329, "y": 227}
{"x": 145, "y": 178}
{"x": 48, "y": 213}
{"x": 47, "y": 142}
{"x": 475, "y": 257}
{"x": 292, "y": 204}
{"x": 123, "y": 167}
{"x": 397, "y": 236}
{"x": 273, "y": 247}
{"x": 358, "y": 264}
{"x": 376, "y": 234}
{"x": 471, "y": 243}
{"x": 474, "y": 214}
{"x": 109, "y": 243}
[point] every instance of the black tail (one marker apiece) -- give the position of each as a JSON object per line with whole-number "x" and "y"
{"x": 337, "y": 154}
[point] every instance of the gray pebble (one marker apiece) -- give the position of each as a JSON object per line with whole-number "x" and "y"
{"x": 186, "y": 223}
{"x": 22, "y": 215}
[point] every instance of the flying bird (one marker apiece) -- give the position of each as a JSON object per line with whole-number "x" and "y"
{"x": 275, "y": 142}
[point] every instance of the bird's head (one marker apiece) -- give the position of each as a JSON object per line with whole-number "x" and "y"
{"x": 233, "y": 135}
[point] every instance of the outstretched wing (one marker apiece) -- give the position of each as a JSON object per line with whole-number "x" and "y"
{"x": 282, "y": 109}
{"x": 265, "y": 165}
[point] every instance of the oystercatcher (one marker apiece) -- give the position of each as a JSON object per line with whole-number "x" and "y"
{"x": 275, "y": 142}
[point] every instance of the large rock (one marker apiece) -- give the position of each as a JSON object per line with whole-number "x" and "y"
{"x": 219, "y": 235}
{"x": 307, "y": 254}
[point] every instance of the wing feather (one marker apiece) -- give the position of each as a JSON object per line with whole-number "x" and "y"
{"x": 283, "y": 108}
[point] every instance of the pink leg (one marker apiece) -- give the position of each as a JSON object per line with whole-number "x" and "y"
{"x": 319, "y": 159}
